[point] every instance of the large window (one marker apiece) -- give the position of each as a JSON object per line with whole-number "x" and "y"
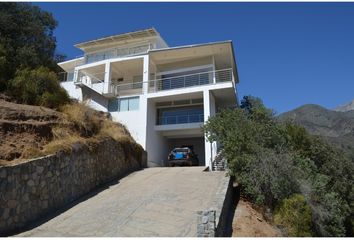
{"x": 178, "y": 115}
{"x": 118, "y": 52}
{"x": 123, "y": 104}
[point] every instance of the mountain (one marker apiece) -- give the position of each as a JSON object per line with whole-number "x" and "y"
{"x": 346, "y": 107}
{"x": 336, "y": 126}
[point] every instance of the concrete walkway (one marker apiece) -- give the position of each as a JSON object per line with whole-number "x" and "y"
{"x": 154, "y": 202}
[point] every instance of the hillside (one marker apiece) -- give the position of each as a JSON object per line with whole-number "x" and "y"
{"x": 346, "y": 107}
{"x": 23, "y": 127}
{"x": 31, "y": 131}
{"x": 336, "y": 126}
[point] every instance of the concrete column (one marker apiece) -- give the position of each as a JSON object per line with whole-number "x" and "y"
{"x": 107, "y": 78}
{"x": 146, "y": 73}
{"x": 209, "y": 110}
{"x": 76, "y": 75}
{"x": 208, "y": 147}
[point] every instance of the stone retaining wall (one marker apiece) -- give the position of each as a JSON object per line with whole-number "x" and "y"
{"x": 36, "y": 187}
{"x": 206, "y": 223}
{"x": 218, "y": 221}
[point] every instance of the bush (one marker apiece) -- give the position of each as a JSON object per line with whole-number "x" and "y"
{"x": 38, "y": 87}
{"x": 268, "y": 177}
{"x": 273, "y": 161}
{"x": 295, "y": 215}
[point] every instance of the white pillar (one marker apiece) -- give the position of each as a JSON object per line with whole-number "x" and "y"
{"x": 206, "y": 104}
{"x": 107, "y": 77}
{"x": 209, "y": 111}
{"x": 146, "y": 73}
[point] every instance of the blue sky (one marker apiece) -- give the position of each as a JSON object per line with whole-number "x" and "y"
{"x": 288, "y": 54}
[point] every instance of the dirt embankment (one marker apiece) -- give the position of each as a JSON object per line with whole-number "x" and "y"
{"x": 248, "y": 222}
{"x": 24, "y": 126}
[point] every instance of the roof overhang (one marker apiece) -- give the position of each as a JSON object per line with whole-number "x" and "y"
{"x": 120, "y": 38}
{"x": 70, "y": 65}
{"x": 224, "y": 49}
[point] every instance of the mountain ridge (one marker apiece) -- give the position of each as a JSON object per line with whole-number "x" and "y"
{"x": 336, "y": 126}
{"x": 345, "y": 107}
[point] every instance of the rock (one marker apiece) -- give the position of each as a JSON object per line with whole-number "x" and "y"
{"x": 39, "y": 169}
{"x": 25, "y": 197}
{"x": 30, "y": 183}
{"x": 6, "y": 214}
{"x": 12, "y": 203}
{"x": 3, "y": 173}
{"x": 205, "y": 219}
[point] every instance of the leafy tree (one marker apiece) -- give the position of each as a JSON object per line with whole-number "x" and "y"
{"x": 26, "y": 39}
{"x": 295, "y": 214}
{"x": 38, "y": 87}
{"x": 273, "y": 161}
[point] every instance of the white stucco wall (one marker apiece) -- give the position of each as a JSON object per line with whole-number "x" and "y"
{"x": 156, "y": 144}
{"x": 134, "y": 121}
{"x": 72, "y": 90}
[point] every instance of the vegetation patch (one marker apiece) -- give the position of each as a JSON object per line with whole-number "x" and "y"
{"x": 280, "y": 165}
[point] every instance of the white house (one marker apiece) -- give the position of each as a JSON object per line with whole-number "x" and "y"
{"x": 162, "y": 94}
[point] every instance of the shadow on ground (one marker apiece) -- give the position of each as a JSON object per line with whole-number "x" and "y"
{"x": 55, "y": 213}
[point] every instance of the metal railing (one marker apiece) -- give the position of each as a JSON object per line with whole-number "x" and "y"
{"x": 179, "y": 119}
{"x": 191, "y": 80}
{"x": 126, "y": 88}
{"x": 182, "y": 81}
{"x": 94, "y": 81}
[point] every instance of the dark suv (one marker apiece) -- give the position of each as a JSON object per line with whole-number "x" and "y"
{"x": 183, "y": 156}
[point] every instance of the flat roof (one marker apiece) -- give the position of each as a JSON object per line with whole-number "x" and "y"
{"x": 149, "y": 32}
{"x": 189, "y": 46}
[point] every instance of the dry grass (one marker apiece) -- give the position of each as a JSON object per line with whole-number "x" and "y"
{"x": 84, "y": 125}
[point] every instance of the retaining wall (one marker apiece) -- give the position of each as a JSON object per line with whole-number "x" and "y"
{"x": 34, "y": 188}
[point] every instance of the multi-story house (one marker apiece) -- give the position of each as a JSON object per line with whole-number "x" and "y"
{"x": 162, "y": 94}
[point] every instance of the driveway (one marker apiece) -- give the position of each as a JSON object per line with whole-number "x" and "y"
{"x": 154, "y": 202}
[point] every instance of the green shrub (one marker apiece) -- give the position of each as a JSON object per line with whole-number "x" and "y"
{"x": 39, "y": 86}
{"x": 273, "y": 161}
{"x": 294, "y": 214}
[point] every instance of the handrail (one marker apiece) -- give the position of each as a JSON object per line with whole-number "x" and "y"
{"x": 187, "y": 75}
{"x": 200, "y": 118}
{"x": 180, "y": 81}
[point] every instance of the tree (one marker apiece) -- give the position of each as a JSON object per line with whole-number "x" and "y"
{"x": 273, "y": 161}
{"x": 295, "y": 214}
{"x": 39, "y": 86}
{"x": 26, "y": 39}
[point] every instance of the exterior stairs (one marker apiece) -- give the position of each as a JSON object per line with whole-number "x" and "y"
{"x": 219, "y": 163}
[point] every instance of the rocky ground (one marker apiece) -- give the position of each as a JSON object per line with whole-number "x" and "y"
{"x": 248, "y": 222}
{"x": 23, "y": 126}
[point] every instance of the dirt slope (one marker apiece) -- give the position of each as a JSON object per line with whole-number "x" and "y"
{"x": 23, "y": 126}
{"x": 248, "y": 222}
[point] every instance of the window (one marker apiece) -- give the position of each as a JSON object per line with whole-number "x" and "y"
{"x": 180, "y": 115}
{"x": 70, "y": 76}
{"x": 123, "y": 104}
{"x": 138, "y": 81}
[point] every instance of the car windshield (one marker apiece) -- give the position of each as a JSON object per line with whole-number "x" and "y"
{"x": 180, "y": 150}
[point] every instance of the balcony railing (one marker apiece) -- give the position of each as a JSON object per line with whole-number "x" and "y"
{"x": 179, "y": 119}
{"x": 127, "y": 89}
{"x": 96, "y": 82}
{"x": 191, "y": 80}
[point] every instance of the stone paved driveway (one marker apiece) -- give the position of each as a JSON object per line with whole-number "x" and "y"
{"x": 151, "y": 202}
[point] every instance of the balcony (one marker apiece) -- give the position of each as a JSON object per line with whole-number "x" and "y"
{"x": 181, "y": 119}
{"x": 176, "y": 82}
{"x": 190, "y": 80}
{"x": 95, "y": 81}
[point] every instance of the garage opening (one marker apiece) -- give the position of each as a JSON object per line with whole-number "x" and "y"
{"x": 196, "y": 143}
